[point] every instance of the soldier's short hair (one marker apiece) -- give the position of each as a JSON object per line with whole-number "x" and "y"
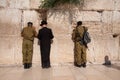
{"x": 30, "y": 23}
{"x": 79, "y": 23}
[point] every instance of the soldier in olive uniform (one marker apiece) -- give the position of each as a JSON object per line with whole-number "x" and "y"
{"x": 28, "y": 33}
{"x": 79, "y": 47}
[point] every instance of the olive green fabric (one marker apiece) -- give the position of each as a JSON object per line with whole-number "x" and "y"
{"x": 28, "y": 34}
{"x": 79, "y": 49}
{"x": 27, "y": 51}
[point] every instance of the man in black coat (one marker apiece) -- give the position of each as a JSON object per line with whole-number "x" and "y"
{"x": 45, "y": 37}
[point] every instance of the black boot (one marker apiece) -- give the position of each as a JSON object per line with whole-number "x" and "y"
{"x": 28, "y": 65}
{"x": 25, "y": 65}
{"x": 75, "y": 64}
{"x": 84, "y": 65}
{"x": 48, "y": 65}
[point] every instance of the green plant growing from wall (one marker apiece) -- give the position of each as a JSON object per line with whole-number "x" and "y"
{"x": 62, "y": 5}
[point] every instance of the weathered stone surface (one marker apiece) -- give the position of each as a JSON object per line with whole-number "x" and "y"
{"x": 116, "y": 22}
{"x": 35, "y": 4}
{"x": 116, "y": 17}
{"x": 62, "y": 48}
{"x": 3, "y": 3}
{"x": 111, "y": 22}
{"x": 94, "y": 27}
{"x": 10, "y": 28}
{"x": 119, "y": 48}
{"x": 59, "y": 23}
{"x": 101, "y": 46}
{"x": 17, "y": 50}
{"x": 116, "y": 28}
{"x": 87, "y": 16}
{"x": 117, "y": 3}
{"x": 10, "y": 20}
{"x": 107, "y": 28}
{"x": 107, "y": 17}
{"x": 7, "y": 50}
{"x": 99, "y": 5}
{"x": 21, "y": 4}
{"x": 31, "y": 15}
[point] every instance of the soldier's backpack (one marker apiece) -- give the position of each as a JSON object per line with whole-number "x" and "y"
{"x": 86, "y": 37}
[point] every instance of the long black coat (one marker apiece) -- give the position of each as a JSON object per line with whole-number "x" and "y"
{"x": 45, "y": 36}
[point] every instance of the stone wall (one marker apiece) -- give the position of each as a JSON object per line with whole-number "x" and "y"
{"x": 101, "y": 18}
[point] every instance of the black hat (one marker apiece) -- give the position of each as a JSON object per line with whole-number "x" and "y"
{"x": 43, "y": 22}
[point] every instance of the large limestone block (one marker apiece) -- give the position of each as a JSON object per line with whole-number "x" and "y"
{"x": 24, "y": 4}
{"x": 10, "y": 20}
{"x": 117, "y": 4}
{"x": 36, "y": 52}
{"x": 21, "y": 4}
{"x": 3, "y": 3}
{"x": 18, "y": 50}
{"x": 93, "y": 27}
{"x": 116, "y": 28}
{"x": 119, "y": 48}
{"x": 34, "y": 4}
{"x": 116, "y": 22}
{"x": 99, "y": 5}
{"x": 32, "y": 16}
{"x": 107, "y": 22}
{"x": 59, "y": 22}
{"x": 62, "y": 47}
{"x": 87, "y": 16}
{"x": 107, "y": 29}
{"x": 116, "y": 17}
{"x": 101, "y": 46}
{"x": 107, "y": 17}
{"x": 7, "y": 50}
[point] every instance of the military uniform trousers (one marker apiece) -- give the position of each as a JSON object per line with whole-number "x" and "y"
{"x": 79, "y": 53}
{"x": 27, "y": 51}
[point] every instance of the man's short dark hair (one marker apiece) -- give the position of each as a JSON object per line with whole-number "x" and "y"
{"x": 30, "y": 23}
{"x": 79, "y": 23}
